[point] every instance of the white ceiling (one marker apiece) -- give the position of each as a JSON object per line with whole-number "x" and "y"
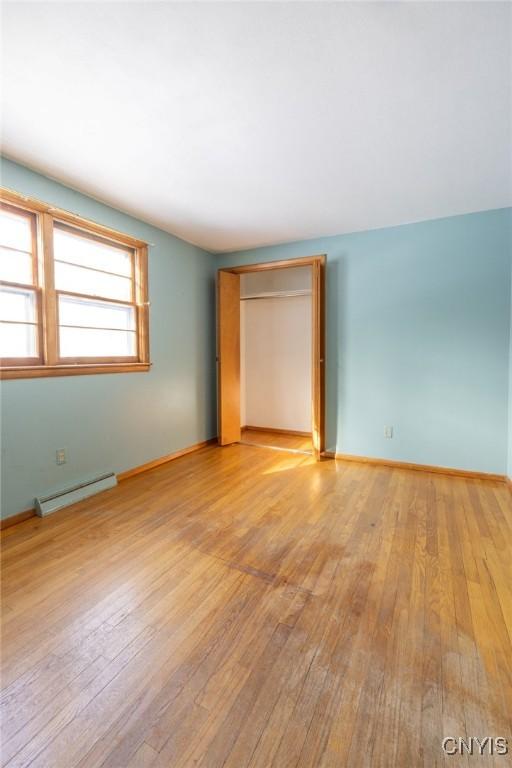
{"x": 240, "y": 124}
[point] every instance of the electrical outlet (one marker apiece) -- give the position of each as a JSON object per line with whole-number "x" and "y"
{"x": 60, "y": 456}
{"x": 388, "y": 431}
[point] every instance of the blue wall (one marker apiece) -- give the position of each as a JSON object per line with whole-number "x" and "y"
{"x": 418, "y": 337}
{"x": 115, "y": 421}
{"x": 418, "y": 322}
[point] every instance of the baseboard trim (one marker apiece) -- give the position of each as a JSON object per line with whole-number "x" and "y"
{"x": 418, "y": 467}
{"x": 28, "y": 513}
{"x": 163, "y": 460}
{"x": 18, "y": 518}
{"x": 277, "y": 431}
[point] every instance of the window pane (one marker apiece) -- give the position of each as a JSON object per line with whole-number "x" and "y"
{"x": 81, "y": 342}
{"x": 15, "y": 267}
{"x": 79, "y": 249}
{"x": 18, "y": 340}
{"x": 15, "y": 231}
{"x": 78, "y": 280}
{"x": 17, "y": 304}
{"x": 99, "y": 314}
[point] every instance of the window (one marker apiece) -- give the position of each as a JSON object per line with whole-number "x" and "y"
{"x": 87, "y": 270}
{"x": 73, "y": 294}
{"x": 20, "y": 317}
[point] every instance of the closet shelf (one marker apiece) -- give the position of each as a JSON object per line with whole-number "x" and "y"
{"x": 276, "y": 295}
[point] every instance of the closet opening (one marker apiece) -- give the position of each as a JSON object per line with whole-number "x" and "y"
{"x": 270, "y": 355}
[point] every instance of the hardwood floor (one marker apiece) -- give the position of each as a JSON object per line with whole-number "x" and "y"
{"x": 277, "y": 440}
{"x": 247, "y": 607}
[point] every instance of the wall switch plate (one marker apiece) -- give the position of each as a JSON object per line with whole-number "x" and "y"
{"x": 388, "y": 431}
{"x": 60, "y": 456}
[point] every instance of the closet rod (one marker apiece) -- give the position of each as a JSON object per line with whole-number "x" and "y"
{"x": 282, "y": 295}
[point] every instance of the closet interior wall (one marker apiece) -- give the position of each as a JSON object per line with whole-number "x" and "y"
{"x": 276, "y": 349}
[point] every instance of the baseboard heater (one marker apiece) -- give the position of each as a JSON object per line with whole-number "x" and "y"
{"x": 45, "y": 505}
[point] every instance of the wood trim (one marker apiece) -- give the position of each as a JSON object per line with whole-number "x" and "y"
{"x": 28, "y": 513}
{"x": 301, "y": 261}
{"x": 33, "y": 204}
{"x": 228, "y": 357}
{"x": 26, "y": 212}
{"x": 278, "y": 431}
{"x": 508, "y": 481}
{"x": 34, "y": 286}
{"x": 95, "y": 297}
{"x": 21, "y": 286}
{"x": 142, "y": 299}
{"x": 164, "y": 459}
{"x": 318, "y": 264}
{"x": 102, "y": 239}
{"x": 17, "y": 362}
{"x": 42, "y": 371}
{"x": 38, "y": 272}
{"x": 318, "y": 356}
{"x": 98, "y": 360}
{"x": 49, "y": 294}
{"x": 19, "y": 518}
{"x": 418, "y": 467}
{"x": 44, "y": 219}
{"x": 93, "y": 328}
{"x": 121, "y": 476}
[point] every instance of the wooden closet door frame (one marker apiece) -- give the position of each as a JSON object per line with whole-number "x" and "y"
{"x": 317, "y": 264}
{"x": 228, "y": 358}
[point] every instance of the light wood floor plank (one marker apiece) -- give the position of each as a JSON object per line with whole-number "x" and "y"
{"x": 251, "y": 608}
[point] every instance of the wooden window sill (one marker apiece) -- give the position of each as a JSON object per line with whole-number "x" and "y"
{"x": 79, "y": 369}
